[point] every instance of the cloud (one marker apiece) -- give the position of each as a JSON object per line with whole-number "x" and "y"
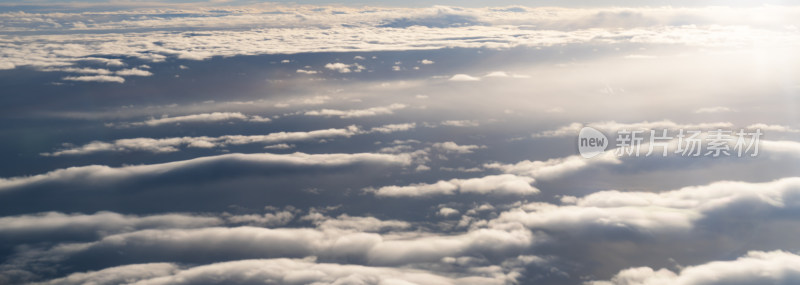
{"x": 258, "y": 119}
{"x": 416, "y": 190}
{"x": 504, "y": 184}
{"x": 7, "y": 65}
{"x": 344, "y": 68}
{"x": 555, "y": 167}
{"x": 504, "y": 74}
{"x": 438, "y": 17}
{"x": 107, "y": 61}
{"x": 361, "y": 224}
{"x": 97, "y": 175}
{"x": 773, "y": 128}
{"x": 198, "y": 118}
{"x": 394, "y": 128}
{"x": 335, "y": 239}
{"x": 613, "y": 126}
{"x": 415, "y": 224}
{"x": 95, "y": 78}
{"x": 357, "y": 113}
{"x": 564, "y": 166}
{"x": 54, "y": 225}
{"x": 266, "y": 271}
{"x": 126, "y": 274}
{"x": 165, "y": 145}
{"x": 446, "y": 212}
{"x": 497, "y": 74}
{"x": 675, "y": 211}
{"x": 279, "y": 146}
{"x": 755, "y": 267}
{"x": 463, "y": 77}
{"x": 781, "y": 149}
{"x": 201, "y": 34}
{"x": 313, "y": 100}
{"x": 133, "y": 72}
{"x": 718, "y": 109}
{"x": 460, "y": 123}
{"x": 434, "y": 248}
{"x": 172, "y": 144}
{"x": 455, "y": 148}
{"x": 668, "y": 212}
{"x": 280, "y": 218}
{"x": 303, "y": 71}
{"x": 83, "y": 70}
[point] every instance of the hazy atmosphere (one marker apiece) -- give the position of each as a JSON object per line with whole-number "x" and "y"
{"x": 400, "y": 142}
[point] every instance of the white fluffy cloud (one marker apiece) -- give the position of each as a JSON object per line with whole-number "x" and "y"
{"x": 79, "y": 70}
{"x": 357, "y": 113}
{"x": 504, "y": 184}
{"x": 266, "y": 271}
{"x": 241, "y": 31}
{"x": 133, "y": 72}
{"x": 336, "y": 238}
{"x": 361, "y": 224}
{"x": 394, "y": 128}
{"x": 446, "y": 212}
{"x": 344, "y": 68}
{"x": 464, "y": 77}
{"x": 565, "y": 166}
{"x": 198, "y": 118}
{"x": 125, "y": 274}
{"x": 304, "y": 71}
{"x": 665, "y": 212}
{"x": 504, "y": 74}
{"x": 51, "y": 224}
{"x": 456, "y": 148}
{"x": 755, "y": 267}
{"x": 555, "y": 167}
{"x": 774, "y": 128}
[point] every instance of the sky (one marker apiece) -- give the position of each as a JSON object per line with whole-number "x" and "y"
{"x": 399, "y": 142}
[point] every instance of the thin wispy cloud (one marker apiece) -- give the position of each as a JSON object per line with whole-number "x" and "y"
{"x": 198, "y": 118}
{"x": 95, "y": 78}
{"x": 356, "y": 113}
